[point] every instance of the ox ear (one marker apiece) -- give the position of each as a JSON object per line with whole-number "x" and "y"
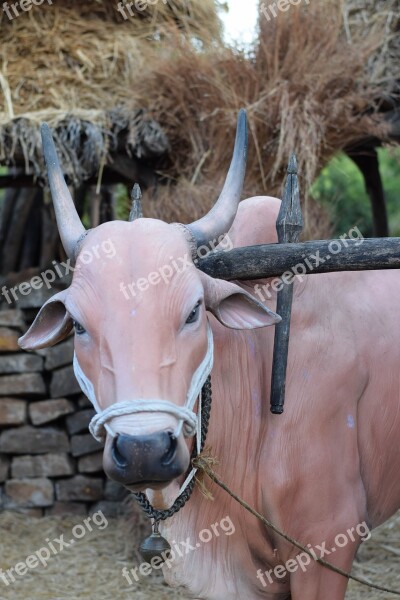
{"x": 52, "y": 324}
{"x": 234, "y": 307}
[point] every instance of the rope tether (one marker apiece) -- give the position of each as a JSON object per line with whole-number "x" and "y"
{"x": 204, "y": 466}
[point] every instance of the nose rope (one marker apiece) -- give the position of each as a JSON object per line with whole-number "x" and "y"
{"x": 183, "y": 415}
{"x": 188, "y": 421}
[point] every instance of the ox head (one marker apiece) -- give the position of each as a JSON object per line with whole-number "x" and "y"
{"x": 139, "y": 305}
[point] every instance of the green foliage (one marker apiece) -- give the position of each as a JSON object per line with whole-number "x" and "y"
{"x": 3, "y": 171}
{"x": 341, "y": 189}
{"x": 390, "y": 170}
{"x": 123, "y": 204}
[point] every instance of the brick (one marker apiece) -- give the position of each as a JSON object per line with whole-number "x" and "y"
{"x": 43, "y": 465}
{"x": 36, "y": 513}
{"x": 84, "y": 444}
{"x": 27, "y": 384}
{"x": 79, "y": 488}
{"x": 4, "y": 468}
{"x": 28, "y": 493}
{"x": 92, "y": 463}
{"x": 21, "y": 363}
{"x": 8, "y": 340}
{"x": 35, "y": 299}
{"x": 59, "y": 355}
{"x": 115, "y": 491}
{"x": 33, "y": 440}
{"x": 45, "y": 411}
{"x": 109, "y": 509}
{"x": 64, "y": 383}
{"x": 12, "y": 318}
{"x": 67, "y": 508}
{"x": 84, "y": 402}
{"x": 12, "y": 411}
{"x": 79, "y": 421}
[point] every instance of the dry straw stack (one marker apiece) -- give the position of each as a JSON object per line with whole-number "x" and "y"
{"x": 77, "y": 65}
{"x": 314, "y": 84}
{"x": 381, "y": 19}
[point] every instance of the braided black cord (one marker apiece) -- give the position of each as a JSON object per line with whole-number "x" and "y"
{"x": 141, "y": 498}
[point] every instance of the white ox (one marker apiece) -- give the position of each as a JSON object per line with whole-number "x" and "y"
{"x": 330, "y": 463}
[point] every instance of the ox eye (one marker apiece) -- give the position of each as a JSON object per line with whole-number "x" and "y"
{"x": 194, "y": 315}
{"x": 79, "y": 329}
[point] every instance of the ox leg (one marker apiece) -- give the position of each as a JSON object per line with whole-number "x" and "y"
{"x": 316, "y": 582}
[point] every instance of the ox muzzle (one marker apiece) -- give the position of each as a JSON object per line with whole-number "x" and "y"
{"x": 139, "y": 462}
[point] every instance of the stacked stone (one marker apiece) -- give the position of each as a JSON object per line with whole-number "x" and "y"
{"x": 49, "y": 462}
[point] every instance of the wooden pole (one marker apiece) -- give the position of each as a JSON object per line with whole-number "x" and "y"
{"x": 289, "y": 226}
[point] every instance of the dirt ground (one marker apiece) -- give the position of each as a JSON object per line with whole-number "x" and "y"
{"x": 92, "y": 567}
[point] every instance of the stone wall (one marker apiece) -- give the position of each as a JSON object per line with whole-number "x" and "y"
{"x": 49, "y": 462}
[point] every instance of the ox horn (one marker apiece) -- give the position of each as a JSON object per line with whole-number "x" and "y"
{"x": 68, "y": 221}
{"x": 220, "y": 218}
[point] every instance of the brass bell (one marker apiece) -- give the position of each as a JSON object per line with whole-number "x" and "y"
{"x": 155, "y": 546}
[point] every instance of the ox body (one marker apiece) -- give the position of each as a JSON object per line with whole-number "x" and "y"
{"x": 330, "y": 463}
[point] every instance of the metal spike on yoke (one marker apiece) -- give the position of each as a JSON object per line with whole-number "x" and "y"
{"x": 289, "y": 226}
{"x": 136, "y": 210}
{"x": 289, "y": 223}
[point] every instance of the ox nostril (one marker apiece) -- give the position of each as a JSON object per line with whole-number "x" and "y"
{"x": 171, "y": 451}
{"x": 120, "y": 460}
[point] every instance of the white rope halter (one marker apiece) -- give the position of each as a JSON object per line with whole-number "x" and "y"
{"x": 187, "y": 419}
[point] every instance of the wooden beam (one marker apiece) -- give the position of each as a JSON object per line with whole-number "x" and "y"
{"x": 120, "y": 169}
{"x": 326, "y": 256}
{"x": 27, "y": 181}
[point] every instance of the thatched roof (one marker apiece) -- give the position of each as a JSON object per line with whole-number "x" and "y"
{"x": 76, "y": 65}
